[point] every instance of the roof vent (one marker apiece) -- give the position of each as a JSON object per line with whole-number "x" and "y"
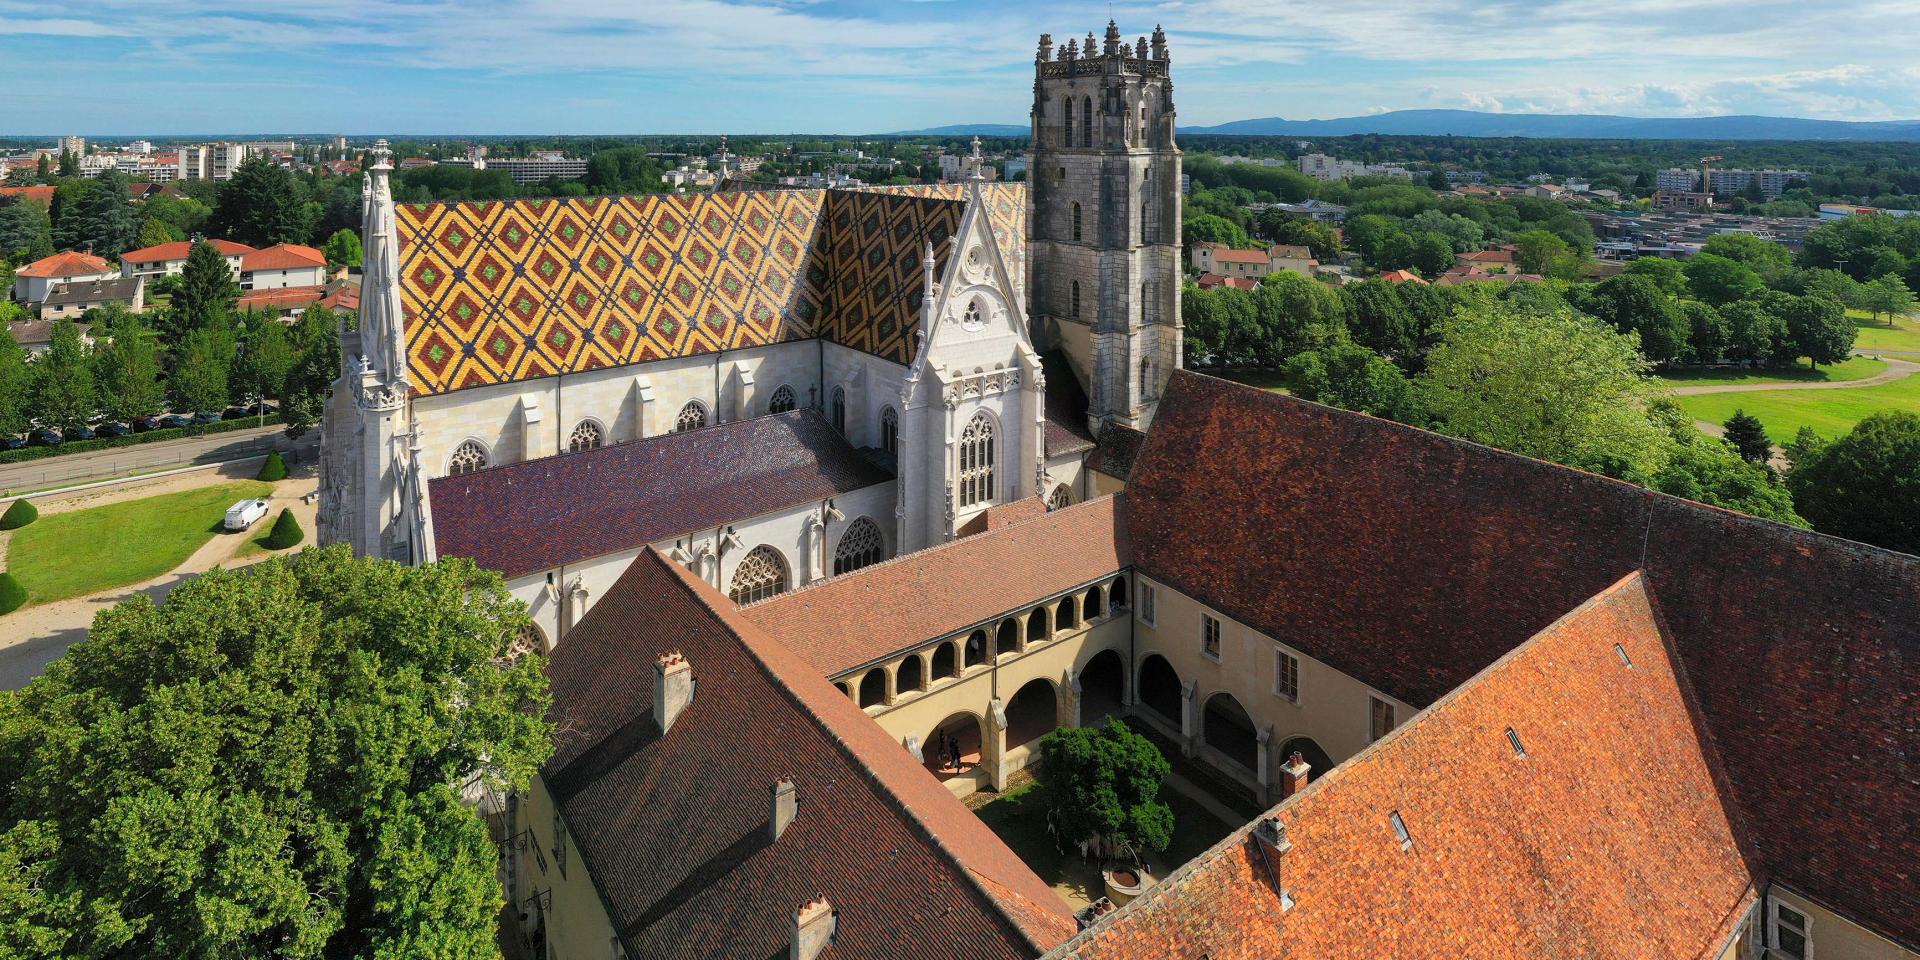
{"x": 813, "y": 929}
{"x": 672, "y": 689}
{"x": 1400, "y": 829}
{"x": 786, "y": 804}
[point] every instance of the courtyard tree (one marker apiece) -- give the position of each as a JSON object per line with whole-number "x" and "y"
{"x": 1101, "y": 789}
{"x": 271, "y": 765}
{"x": 1865, "y": 486}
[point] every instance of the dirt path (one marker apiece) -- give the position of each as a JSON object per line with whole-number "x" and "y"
{"x": 1897, "y": 369}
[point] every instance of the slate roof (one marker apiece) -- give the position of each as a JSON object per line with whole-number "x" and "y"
{"x": 672, "y": 827}
{"x": 1119, "y": 447}
{"x": 1411, "y": 561}
{"x": 857, "y": 618}
{"x": 539, "y": 514}
{"x": 1608, "y": 838}
{"x": 94, "y": 291}
{"x": 1067, "y": 430}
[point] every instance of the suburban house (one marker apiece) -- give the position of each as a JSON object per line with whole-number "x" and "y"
{"x": 33, "y": 283}
{"x": 170, "y": 258}
{"x": 77, "y": 297}
{"x": 36, "y": 336}
{"x": 1218, "y": 258}
{"x": 283, "y": 265}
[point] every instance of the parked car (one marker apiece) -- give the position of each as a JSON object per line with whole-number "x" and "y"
{"x": 13, "y": 441}
{"x": 245, "y": 514}
{"x": 112, "y": 428}
{"x": 82, "y": 432}
{"x": 46, "y": 437}
{"x": 261, "y": 409}
{"x": 171, "y": 421}
{"x": 233, "y": 413}
{"x": 205, "y": 417}
{"x": 149, "y": 422}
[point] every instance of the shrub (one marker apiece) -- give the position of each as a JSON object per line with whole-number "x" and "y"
{"x": 274, "y": 470}
{"x": 286, "y": 532}
{"x": 12, "y": 594}
{"x": 18, "y": 515}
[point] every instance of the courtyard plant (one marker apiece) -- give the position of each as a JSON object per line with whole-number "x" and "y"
{"x": 1101, "y": 790}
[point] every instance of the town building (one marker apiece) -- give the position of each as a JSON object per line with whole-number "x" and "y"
{"x": 542, "y": 165}
{"x": 1221, "y": 259}
{"x": 76, "y": 297}
{"x": 35, "y": 282}
{"x": 282, "y": 265}
{"x": 167, "y": 259}
{"x": 211, "y": 161}
{"x": 1322, "y": 167}
{"x": 74, "y": 145}
{"x": 1726, "y": 183}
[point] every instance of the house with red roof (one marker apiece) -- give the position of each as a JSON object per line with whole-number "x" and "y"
{"x": 33, "y": 283}
{"x": 283, "y": 265}
{"x": 1223, "y": 260}
{"x": 1397, "y": 277}
{"x": 40, "y": 195}
{"x": 167, "y": 259}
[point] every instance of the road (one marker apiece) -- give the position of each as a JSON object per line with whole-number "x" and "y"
{"x": 120, "y": 461}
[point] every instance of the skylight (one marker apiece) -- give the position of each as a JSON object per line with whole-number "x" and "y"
{"x": 1400, "y": 829}
{"x": 1622, "y": 651}
{"x": 1514, "y": 739}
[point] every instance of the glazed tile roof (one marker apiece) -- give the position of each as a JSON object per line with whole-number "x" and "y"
{"x": 1608, "y": 838}
{"x": 672, "y": 827}
{"x": 857, "y": 618}
{"x": 510, "y": 290}
{"x": 539, "y": 514}
{"x": 1411, "y": 560}
{"x": 179, "y": 249}
{"x": 67, "y": 263}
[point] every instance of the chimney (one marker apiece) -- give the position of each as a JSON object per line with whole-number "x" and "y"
{"x": 1272, "y": 834}
{"x": 786, "y": 804}
{"x": 672, "y": 689}
{"x": 1293, "y": 776}
{"x": 813, "y": 928}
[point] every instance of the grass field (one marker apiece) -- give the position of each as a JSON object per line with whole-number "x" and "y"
{"x": 72, "y": 554}
{"x": 1855, "y": 368}
{"x": 1876, "y": 335}
{"x": 1829, "y": 412}
{"x": 1272, "y": 380}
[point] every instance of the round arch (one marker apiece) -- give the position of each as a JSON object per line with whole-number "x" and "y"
{"x": 873, "y": 688}
{"x": 1007, "y": 637}
{"x": 910, "y": 676}
{"x": 1095, "y": 606}
{"x": 1227, "y": 727}
{"x": 1159, "y": 687}
{"x": 1033, "y": 711}
{"x": 976, "y": 648}
{"x": 1037, "y": 625}
{"x": 952, "y": 747}
{"x": 1103, "y": 687}
{"x": 944, "y": 662}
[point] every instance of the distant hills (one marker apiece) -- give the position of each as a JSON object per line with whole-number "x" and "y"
{"x": 1473, "y": 123}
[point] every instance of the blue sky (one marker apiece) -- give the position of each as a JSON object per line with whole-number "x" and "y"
{"x": 864, "y": 66}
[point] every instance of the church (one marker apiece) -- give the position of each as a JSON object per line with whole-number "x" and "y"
{"x": 828, "y": 505}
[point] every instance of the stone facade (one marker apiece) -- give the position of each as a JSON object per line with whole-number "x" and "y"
{"x": 1104, "y": 225}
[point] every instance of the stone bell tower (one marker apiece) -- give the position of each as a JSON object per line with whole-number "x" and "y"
{"x": 1103, "y": 221}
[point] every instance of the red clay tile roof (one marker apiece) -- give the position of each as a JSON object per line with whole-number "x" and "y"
{"x": 1411, "y": 560}
{"x": 1609, "y": 838}
{"x": 280, "y": 298}
{"x": 539, "y": 514}
{"x": 1208, "y": 281}
{"x": 1230, "y": 255}
{"x": 1401, "y": 276}
{"x": 343, "y": 295}
{"x": 860, "y": 617}
{"x": 67, "y": 263}
{"x": 44, "y": 195}
{"x": 1487, "y": 256}
{"x": 1004, "y": 514}
{"x": 283, "y": 256}
{"x": 179, "y": 249}
{"x": 1066, "y": 407}
{"x": 672, "y": 827}
{"x": 1119, "y": 448}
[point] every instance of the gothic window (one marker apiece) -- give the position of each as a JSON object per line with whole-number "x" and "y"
{"x": 467, "y": 458}
{"x": 693, "y": 416}
{"x": 1076, "y": 220}
{"x": 585, "y": 436}
{"x": 860, "y": 546}
{"x": 782, "y": 400}
{"x": 761, "y": 575}
{"x": 971, "y": 319}
{"x": 1066, "y": 129}
{"x": 840, "y": 409}
{"x": 889, "y": 431}
{"x": 976, "y": 461}
{"x": 528, "y": 641}
{"x": 1060, "y": 497}
{"x": 1086, "y": 121}
{"x": 1075, "y": 312}
{"x": 1149, "y": 210}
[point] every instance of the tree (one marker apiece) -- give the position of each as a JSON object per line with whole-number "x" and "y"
{"x": 263, "y": 205}
{"x": 1346, "y": 374}
{"x": 1754, "y": 333}
{"x": 1432, "y": 254}
{"x": 1461, "y": 232}
{"x": 1887, "y": 294}
{"x": 286, "y": 531}
{"x": 1764, "y": 257}
{"x": 26, "y": 232}
{"x": 1536, "y": 250}
{"x": 1380, "y": 320}
{"x": 271, "y": 765}
{"x": 1101, "y": 786}
{"x": 126, "y": 366}
{"x": 65, "y": 396}
{"x": 100, "y": 218}
{"x": 1865, "y": 486}
{"x": 1555, "y": 385}
{"x": 1292, "y": 313}
{"x": 622, "y": 170}
{"x": 156, "y": 232}
{"x": 1207, "y": 228}
{"x": 1666, "y": 273}
{"x": 1635, "y": 303}
{"x": 201, "y": 368}
{"x": 1437, "y": 181}
{"x": 16, "y": 384}
{"x": 1721, "y": 281}
{"x": 343, "y": 249}
{"x": 206, "y": 293}
{"x": 1321, "y": 240}
{"x": 1748, "y": 437}
{"x": 265, "y": 358}
{"x": 1817, "y": 328}
{"x": 317, "y": 349}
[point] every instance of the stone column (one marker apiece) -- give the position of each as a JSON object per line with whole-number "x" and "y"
{"x": 1261, "y": 764}
{"x": 1071, "y": 692}
{"x": 993, "y": 750}
{"x": 1189, "y": 719}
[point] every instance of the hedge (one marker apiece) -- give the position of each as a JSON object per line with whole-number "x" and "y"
{"x": 286, "y": 532}
{"x": 133, "y": 439}
{"x": 275, "y": 469}
{"x": 18, "y": 515}
{"x": 12, "y": 594}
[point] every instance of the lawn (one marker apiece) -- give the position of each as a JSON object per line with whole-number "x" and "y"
{"x": 1855, "y": 368}
{"x": 1876, "y": 335}
{"x": 1272, "y": 380}
{"x": 72, "y": 554}
{"x": 1830, "y": 413}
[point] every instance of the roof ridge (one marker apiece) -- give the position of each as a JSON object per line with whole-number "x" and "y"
{"x": 763, "y": 647}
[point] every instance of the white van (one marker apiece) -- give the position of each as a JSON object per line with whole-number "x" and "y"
{"x": 244, "y": 514}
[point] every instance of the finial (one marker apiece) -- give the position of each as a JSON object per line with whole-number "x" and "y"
{"x": 1073, "y": 49}
{"x": 1140, "y": 49}
{"x": 1113, "y": 38}
{"x": 1089, "y": 47}
{"x": 382, "y": 157}
{"x": 1046, "y": 49}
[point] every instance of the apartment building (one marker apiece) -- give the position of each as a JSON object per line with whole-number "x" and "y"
{"x": 1725, "y": 182}
{"x": 211, "y": 161}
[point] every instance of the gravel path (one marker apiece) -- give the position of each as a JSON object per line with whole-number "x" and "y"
{"x": 1897, "y": 369}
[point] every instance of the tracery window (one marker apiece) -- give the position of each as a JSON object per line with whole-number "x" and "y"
{"x": 860, "y": 546}
{"x": 467, "y": 457}
{"x": 976, "y": 461}
{"x": 889, "y": 431}
{"x": 1086, "y": 121}
{"x": 1061, "y": 496}
{"x": 761, "y": 575}
{"x": 585, "y": 436}
{"x": 840, "y": 409}
{"x": 693, "y": 416}
{"x": 527, "y": 641}
{"x": 782, "y": 400}
{"x": 971, "y": 319}
{"x": 1066, "y": 130}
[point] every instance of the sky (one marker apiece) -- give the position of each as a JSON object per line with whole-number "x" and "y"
{"x": 158, "y": 67}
